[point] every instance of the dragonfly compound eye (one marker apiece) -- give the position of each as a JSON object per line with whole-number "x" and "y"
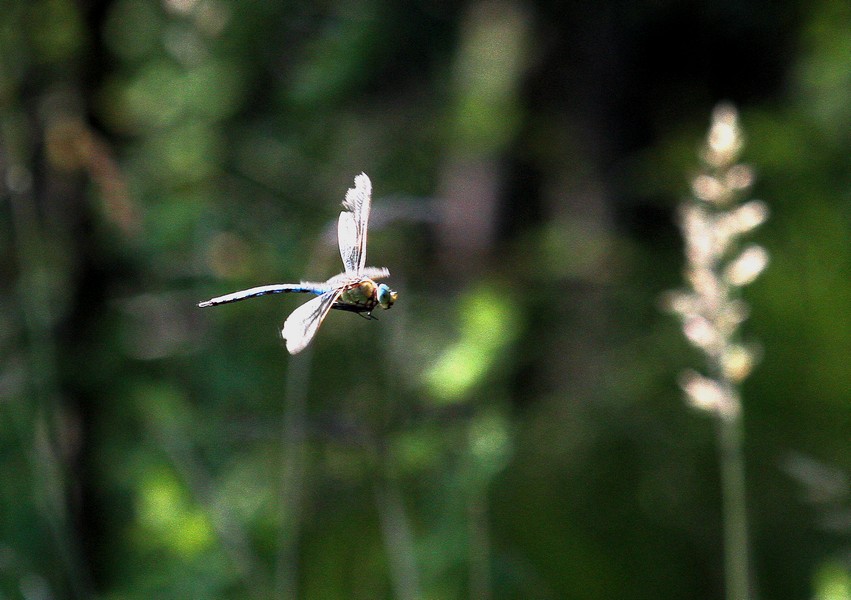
{"x": 386, "y": 296}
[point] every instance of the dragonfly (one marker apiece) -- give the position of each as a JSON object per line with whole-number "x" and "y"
{"x": 354, "y": 290}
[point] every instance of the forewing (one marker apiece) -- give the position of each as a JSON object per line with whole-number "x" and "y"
{"x": 347, "y": 236}
{"x": 302, "y": 324}
{"x": 353, "y": 223}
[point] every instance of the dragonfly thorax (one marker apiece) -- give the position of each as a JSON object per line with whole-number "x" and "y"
{"x": 360, "y": 293}
{"x": 366, "y": 295}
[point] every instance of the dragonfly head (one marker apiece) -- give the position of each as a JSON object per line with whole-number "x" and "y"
{"x": 386, "y": 297}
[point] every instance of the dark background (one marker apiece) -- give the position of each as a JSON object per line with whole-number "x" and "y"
{"x": 513, "y": 427}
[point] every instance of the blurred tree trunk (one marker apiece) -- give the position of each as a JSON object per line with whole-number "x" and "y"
{"x": 488, "y": 70}
{"x": 58, "y": 174}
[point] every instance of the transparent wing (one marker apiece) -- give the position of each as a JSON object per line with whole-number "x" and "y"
{"x": 302, "y": 324}
{"x": 375, "y": 272}
{"x": 352, "y": 226}
{"x": 341, "y": 280}
{"x": 344, "y": 279}
{"x": 277, "y": 288}
{"x": 347, "y": 236}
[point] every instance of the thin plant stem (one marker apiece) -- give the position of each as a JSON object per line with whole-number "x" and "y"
{"x": 294, "y": 461}
{"x": 731, "y": 459}
{"x": 398, "y": 539}
{"x": 397, "y": 530}
{"x": 479, "y": 535}
{"x": 733, "y": 495}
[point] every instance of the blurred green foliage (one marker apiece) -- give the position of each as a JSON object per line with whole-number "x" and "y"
{"x": 512, "y": 428}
